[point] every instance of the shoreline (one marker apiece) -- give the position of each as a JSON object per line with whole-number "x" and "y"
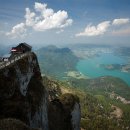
{"x": 76, "y": 74}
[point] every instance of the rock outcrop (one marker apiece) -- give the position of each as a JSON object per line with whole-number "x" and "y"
{"x": 14, "y": 124}
{"x": 30, "y": 103}
{"x": 22, "y": 94}
{"x": 64, "y": 109}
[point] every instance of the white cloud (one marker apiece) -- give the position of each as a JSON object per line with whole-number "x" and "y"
{"x": 45, "y": 18}
{"x": 29, "y": 16}
{"x": 57, "y": 20}
{"x": 42, "y": 8}
{"x": 100, "y": 29}
{"x": 121, "y": 21}
{"x": 18, "y": 31}
{"x": 41, "y": 19}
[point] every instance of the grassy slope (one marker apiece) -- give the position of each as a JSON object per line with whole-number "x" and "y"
{"x": 96, "y": 105}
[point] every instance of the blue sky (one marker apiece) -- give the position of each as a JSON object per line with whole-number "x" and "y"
{"x": 62, "y": 22}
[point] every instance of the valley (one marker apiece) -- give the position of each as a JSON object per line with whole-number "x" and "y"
{"x": 104, "y": 95}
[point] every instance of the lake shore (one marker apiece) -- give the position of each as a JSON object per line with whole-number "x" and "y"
{"x": 76, "y": 74}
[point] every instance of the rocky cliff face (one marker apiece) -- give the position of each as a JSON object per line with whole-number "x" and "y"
{"x": 63, "y": 109}
{"x": 29, "y": 102}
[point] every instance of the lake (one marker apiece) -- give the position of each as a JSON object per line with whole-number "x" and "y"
{"x": 91, "y": 67}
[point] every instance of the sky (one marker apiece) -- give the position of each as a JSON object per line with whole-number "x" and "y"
{"x": 63, "y": 22}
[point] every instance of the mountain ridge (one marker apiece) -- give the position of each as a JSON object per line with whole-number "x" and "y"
{"x": 25, "y": 102}
{"x": 56, "y": 61}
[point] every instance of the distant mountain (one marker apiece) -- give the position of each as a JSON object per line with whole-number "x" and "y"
{"x": 74, "y": 46}
{"x": 56, "y": 61}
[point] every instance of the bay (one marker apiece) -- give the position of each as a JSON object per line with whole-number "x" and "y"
{"x": 91, "y": 67}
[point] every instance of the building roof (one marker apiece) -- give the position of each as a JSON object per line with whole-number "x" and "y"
{"x": 25, "y": 44}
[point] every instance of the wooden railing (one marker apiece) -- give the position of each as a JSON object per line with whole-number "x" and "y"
{"x": 15, "y": 58}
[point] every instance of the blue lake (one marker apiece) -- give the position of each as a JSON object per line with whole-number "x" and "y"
{"x": 91, "y": 67}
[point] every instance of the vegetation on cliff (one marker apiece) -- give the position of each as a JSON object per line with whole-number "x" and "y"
{"x": 27, "y": 101}
{"x": 100, "y": 108}
{"x": 106, "y": 104}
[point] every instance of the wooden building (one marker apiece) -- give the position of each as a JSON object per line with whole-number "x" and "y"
{"x": 21, "y": 48}
{"x": 6, "y": 57}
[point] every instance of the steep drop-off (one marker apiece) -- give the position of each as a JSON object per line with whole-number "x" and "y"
{"x": 25, "y": 101}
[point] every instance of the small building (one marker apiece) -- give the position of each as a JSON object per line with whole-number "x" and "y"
{"x": 21, "y": 48}
{"x": 6, "y": 57}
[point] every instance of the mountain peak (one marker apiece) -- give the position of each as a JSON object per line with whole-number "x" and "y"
{"x": 24, "y": 98}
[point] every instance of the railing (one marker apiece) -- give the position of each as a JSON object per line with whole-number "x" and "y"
{"x": 13, "y": 59}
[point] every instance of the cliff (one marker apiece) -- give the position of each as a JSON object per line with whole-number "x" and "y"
{"x": 28, "y": 102}
{"x": 64, "y": 110}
